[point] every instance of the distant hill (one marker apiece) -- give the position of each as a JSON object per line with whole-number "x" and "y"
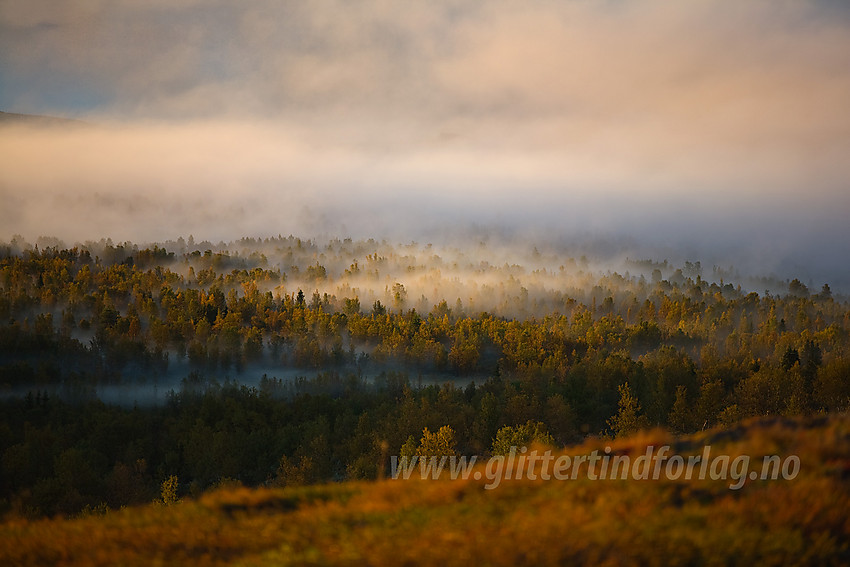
{"x": 13, "y": 119}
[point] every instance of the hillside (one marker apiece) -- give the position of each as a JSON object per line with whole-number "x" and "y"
{"x": 607, "y": 522}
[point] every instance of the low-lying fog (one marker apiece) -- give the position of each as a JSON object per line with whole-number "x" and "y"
{"x": 487, "y": 272}
{"x": 223, "y": 181}
{"x": 663, "y": 130}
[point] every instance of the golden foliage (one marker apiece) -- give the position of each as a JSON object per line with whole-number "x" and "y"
{"x": 802, "y": 521}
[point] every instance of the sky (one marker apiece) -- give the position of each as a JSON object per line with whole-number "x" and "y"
{"x": 708, "y": 130}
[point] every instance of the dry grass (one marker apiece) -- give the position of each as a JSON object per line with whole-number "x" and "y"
{"x": 803, "y": 521}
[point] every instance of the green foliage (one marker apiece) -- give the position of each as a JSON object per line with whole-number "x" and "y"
{"x": 440, "y": 443}
{"x": 432, "y": 444}
{"x": 570, "y": 350}
{"x": 317, "y": 272}
{"x": 410, "y": 447}
{"x": 710, "y": 403}
{"x": 515, "y": 437}
{"x": 681, "y": 415}
{"x": 628, "y": 419}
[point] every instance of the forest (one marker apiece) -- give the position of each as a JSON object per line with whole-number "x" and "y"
{"x": 127, "y": 372}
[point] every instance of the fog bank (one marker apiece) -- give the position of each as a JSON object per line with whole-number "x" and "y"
{"x": 687, "y": 130}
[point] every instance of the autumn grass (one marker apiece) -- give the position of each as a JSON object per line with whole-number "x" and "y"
{"x": 798, "y": 522}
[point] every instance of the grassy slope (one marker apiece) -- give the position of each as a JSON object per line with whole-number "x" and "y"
{"x": 803, "y": 521}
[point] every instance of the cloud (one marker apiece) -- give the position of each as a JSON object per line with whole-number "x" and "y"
{"x": 701, "y": 124}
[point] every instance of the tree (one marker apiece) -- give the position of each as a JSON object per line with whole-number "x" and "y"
{"x": 317, "y": 272}
{"x": 168, "y": 490}
{"x": 798, "y": 288}
{"x": 439, "y": 444}
{"x": 710, "y": 402}
{"x": 399, "y": 296}
{"x": 832, "y": 386}
{"x": 789, "y": 358}
{"x": 509, "y": 437}
{"x": 561, "y": 418}
{"x": 627, "y": 420}
{"x": 667, "y": 369}
{"x": 465, "y": 351}
{"x": 253, "y": 344}
{"x": 681, "y": 415}
{"x": 292, "y": 472}
{"x": 764, "y": 392}
{"x": 410, "y": 448}
{"x": 352, "y": 306}
{"x": 811, "y": 358}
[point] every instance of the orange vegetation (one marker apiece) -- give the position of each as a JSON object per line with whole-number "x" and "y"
{"x": 615, "y": 522}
